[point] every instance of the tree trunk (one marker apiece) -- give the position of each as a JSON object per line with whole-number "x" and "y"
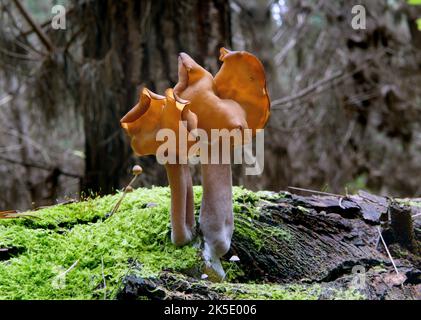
{"x": 130, "y": 44}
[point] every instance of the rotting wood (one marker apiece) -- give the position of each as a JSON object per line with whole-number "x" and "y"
{"x": 402, "y": 226}
{"x": 303, "y": 240}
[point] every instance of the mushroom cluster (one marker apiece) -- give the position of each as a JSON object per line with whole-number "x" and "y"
{"x": 235, "y": 99}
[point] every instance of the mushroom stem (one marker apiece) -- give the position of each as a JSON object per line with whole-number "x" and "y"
{"x": 216, "y": 217}
{"x": 182, "y": 208}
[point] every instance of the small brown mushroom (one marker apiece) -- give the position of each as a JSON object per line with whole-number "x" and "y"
{"x": 137, "y": 170}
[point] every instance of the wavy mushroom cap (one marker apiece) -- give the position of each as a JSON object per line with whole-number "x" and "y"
{"x": 142, "y": 122}
{"x": 197, "y": 85}
{"x": 242, "y": 79}
{"x": 192, "y": 77}
{"x": 178, "y": 117}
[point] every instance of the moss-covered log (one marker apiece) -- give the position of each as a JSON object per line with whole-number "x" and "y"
{"x": 289, "y": 247}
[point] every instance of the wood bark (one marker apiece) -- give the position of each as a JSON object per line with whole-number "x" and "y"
{"x": 325, "y": 240}
{"x": 403, "y": 227}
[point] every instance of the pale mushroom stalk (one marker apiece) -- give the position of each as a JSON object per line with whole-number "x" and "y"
{"x": 190, "y": 219}
{"x": 216, "y": 216}
{"x": 182, "y": 207}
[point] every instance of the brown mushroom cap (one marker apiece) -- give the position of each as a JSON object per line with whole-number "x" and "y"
{"x": 142, "y": 122}
{"x": 196, "y": 85}
{"x": 242, "y": 79}
{"x": 178, "y": 117}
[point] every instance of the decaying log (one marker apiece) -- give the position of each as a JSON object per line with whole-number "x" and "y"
{"x": 307, "y": 240}
{"x": 403, "y": 227}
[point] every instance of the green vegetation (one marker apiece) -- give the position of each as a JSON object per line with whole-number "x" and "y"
{"x": 359, "y": 183}
{"x": 271, "y": 292}
{"x": 288, "y": 292}
{"x": 409, "y": 202}
{"x": 67, "y": 251}
{"x": 416, "y": 3}
{"x": 65, "y": 234}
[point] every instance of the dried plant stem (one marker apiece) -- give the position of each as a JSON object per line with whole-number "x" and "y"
{"x": 315, "y": 191}
{"x": 387, "y": 250}
{"x": 70, "y": 268}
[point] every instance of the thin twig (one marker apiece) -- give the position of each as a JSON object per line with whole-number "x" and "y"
{"x": 322, "y": 84}
{"x": 43, "y": 37}
{"x": 12, "y": 214}
{"x": 387, "y": 250}
{"x": 17, "y": 55}
{"x": 308, "y": 90}
{"x": 315, "y": 191}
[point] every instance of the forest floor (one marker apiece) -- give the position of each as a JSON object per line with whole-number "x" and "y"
{"x": 285, "y": 246}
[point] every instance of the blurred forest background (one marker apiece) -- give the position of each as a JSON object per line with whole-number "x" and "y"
{"x": 346, "y": 104}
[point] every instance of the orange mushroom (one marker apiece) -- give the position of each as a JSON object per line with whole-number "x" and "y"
{"x": 176, "y": 111}
{"x": 178, "y": 117}
{"x": 196, "y": 85}
{"x": 242, "y": 79}
{"x": 235, "y": 99}
{"x": 142, "y": 122}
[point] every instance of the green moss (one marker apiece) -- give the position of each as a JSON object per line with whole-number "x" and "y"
{"x": 270, "y": 291}
{"x": 348, "y": 294}
{"x": 138, "y": 234}
{"x": 136, "y": 240}
{"x": 248, "y": 224}
{"x": 232, "y": 270}
{"x": 409, "y": 202}
{"x": 286, "y": 292}
{"x": 65, "y": 234}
